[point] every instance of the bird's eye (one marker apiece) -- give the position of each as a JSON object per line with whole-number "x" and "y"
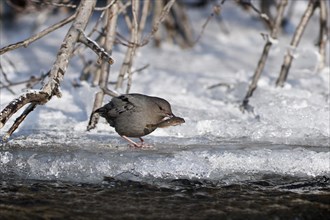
{"x": 160, "y": 108}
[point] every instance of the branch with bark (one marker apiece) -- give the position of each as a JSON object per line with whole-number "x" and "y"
{"x": 52, "y": 87}
{"x": 262, "y": 61}
{"x": 37, "y": 36}
{"x": 288, "y": 58}
{"x": 263, "y": 15}
{"x": 102, "y": 46}
{"x": 175, "y": 22}
{"x": 324, "y": 34}
{"x": 108, "y": 41}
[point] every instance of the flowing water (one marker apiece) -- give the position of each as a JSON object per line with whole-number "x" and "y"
{"x": 271, "y": 163}
{"x": 217, "y": 180}
{"x": 273, "y": 197}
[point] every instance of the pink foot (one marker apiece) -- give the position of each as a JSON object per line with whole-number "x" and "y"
{"x": 135, "y": 144}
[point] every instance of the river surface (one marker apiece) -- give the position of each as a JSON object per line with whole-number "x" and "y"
{"x": 191, "y": 180}
{"x": 274, "y": 197}
{"x": 271, "y": 163}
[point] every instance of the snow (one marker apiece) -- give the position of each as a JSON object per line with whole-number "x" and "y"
{"x": 286, "y": 134}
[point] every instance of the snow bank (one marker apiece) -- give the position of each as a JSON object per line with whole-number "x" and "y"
{"x": 291, "y": 123}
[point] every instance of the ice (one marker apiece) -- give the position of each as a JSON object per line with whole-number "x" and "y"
{"x": 217, "y": 162}
{"x": 6, "y": 157}
{"x": 287, "y": 133}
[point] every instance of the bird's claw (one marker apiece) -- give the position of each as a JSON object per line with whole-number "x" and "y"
{"x": 136, "y": 144}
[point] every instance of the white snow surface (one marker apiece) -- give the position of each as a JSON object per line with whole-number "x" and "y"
{"x": 287, "y": 133}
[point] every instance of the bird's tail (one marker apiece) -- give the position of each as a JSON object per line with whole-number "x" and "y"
{"x": 100, "y": 111}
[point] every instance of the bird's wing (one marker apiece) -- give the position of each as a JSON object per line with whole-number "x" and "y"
{"x": 120, "y": 105}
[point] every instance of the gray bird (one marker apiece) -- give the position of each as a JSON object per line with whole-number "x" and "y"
{"x": 136, "y": 115}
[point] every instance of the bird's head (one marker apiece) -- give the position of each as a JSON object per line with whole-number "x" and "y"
{"x": 164, "y": 109}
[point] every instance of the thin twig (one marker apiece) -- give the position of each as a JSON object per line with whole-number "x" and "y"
{"x": 183, "y": 31}
{"x": 135, "y": 38}
{"x": 120, "y": 39}
{"x": 37, "y": 36}
{"x": 263, "y": 16}
{"x": 134, "y": 41}
{"x": 133, "y": 72}
{"x": 66, "y": 5}
{"x": 109, "y": 38}
{"x": 7, "y": 87}
{"x": 144, "y": 15}
{"x": 128, "y": 60}
{"x": 124, "y": 12}
{"x": 29, "y": 97}
{"x": 263, "y": 58}
{"x": 219, "y": 85}
{"x": 215, "y": 11}
{"x": 29, "y": 82}
{"x": 73, "y": 6}
{"x": 109, "y": 5}
{"x": 294, "y": 42}
{"x": 78, "y": 48}
{"x": 57, "y": 72}
{"x": 95, "y": 47}
{"x": 323, "y": 35}
{"x": 156, "y": 14}
{"x": 9, "y": 82}
{"x": 156, "y": 25}
{"x": 5, "y": 75}
{"x": 19, "y": 120}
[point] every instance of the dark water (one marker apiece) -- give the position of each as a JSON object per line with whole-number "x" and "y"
{"x": 274, "y": 197}
{"x": 70, "y": 185}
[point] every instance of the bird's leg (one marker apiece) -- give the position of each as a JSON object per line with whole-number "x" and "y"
{"x": 132, "y": 143}
{"x": 143, "y": 144}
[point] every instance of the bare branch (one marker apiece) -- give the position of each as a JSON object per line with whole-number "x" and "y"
{"x": 183, "y": 30}
{"x": 133, "y": 72}
{"x": 5, "y": 75}
{"x": 110, "y": 31}
{"x": 141, "y": 68}
{"x": 37, "y": 36}
{"x": 67, "y": 5}
{"x": 215, "y": 11}
{"x": 263, "y": 58}
{"x": 95, "y": 47}
{"x": 263, "y": 16}
{"x": 124, "y": 12}
{"x": 109, "y": 5}
{"x": 136, "y": 31}
{"x": 2, "y": 70}
{"x": 57, "y": 72}
{"x": 19, "y": 120}
{"x": 127, "y": 63}
{"x": 39, "y": 97}
{"x": 226, "y": 85}
{"x": 162, "y": 17}
{"x": 156, "y": 14}
{"x": 135, "y": 38}
{"x": 144, "y": 15}
{"x": 295, "y": 41}
{"x": 32, "y": 81}
{"x": 323, "y": 35}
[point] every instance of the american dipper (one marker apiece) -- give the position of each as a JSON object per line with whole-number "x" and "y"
{"x": 136, "y": 115}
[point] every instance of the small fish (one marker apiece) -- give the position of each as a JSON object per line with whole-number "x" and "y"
{"x": 173, "y": 121}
